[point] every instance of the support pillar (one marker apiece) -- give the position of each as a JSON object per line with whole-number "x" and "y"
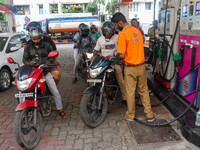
{"x": 124, "y": 7}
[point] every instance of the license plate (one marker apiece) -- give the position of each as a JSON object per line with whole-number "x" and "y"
{"x": 94, "y": 80}
{"x": 23, "y": 95}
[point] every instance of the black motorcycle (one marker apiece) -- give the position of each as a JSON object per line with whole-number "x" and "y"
{"x": 94, "y": 103}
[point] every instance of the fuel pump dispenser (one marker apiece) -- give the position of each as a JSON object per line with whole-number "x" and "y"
{"x": 168, "y": 36}
{"x": 189, "y": 72}
{"x": 189, "y": 48}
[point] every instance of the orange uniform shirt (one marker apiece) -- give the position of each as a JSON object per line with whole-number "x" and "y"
{"x": 130, "y": 42}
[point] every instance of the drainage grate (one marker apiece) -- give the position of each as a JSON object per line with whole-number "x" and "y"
{"x": 145, "y": 134}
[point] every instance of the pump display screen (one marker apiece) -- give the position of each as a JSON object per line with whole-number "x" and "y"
{"x": 197, "y": 8}
{"x": 185, "y": 11}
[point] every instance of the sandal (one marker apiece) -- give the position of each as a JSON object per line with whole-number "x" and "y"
{"x": 62, "y": 114}
{"x": 74, "y": 80}
{"x": 127, "y": 119}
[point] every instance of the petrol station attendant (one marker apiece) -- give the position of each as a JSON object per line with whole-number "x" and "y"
{"x": 131, "y": 49}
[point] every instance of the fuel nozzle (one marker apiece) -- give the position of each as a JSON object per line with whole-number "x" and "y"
{"x": 177, "y": 57}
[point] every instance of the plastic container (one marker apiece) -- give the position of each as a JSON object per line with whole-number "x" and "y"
{"x": 197, "y": 123}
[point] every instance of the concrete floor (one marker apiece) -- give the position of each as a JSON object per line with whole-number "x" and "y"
{"x": 72, "y": 134}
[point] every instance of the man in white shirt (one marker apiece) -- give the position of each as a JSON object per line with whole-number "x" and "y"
{"x": 106, "y": 45}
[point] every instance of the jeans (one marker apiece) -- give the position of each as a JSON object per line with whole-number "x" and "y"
{"x": 53, "y": 89}
{"x": 75, "y": 54}
{"x": 75, "y": 71}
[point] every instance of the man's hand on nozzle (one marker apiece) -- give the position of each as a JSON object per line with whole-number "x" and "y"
{"x": 107, "y": 57}
{"x": 91, "y": 58}
{"x": 121, "y": 61}
{"x": 121, "y": 56}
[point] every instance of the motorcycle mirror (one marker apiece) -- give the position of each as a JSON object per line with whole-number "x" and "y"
{"x": 53, "y": 54}
{"x": 10, "y": 60}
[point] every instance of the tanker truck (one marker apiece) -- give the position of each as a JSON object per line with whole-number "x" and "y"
{"x": 62, "y": 30}
{"x": 60, "y": 27}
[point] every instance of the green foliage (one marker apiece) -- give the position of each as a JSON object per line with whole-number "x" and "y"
{"x": 111, "y": 7}
{"x": 2, "y": 16}
{"x": 72, "y": 8}
{"x": 100, "y": 2}
{"x": 54, "y": 8}
{"x": 91, "y": 7}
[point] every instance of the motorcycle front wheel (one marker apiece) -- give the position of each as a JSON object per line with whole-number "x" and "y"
{"x": 90, "y": 115}
{"x": 27, "y": 129}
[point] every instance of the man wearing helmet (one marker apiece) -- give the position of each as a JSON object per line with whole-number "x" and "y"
{"x": 75, "y": 40}
{"x": 107, "y": 44}
{"x": 36, "y": 53}
{"x": 84, "y": 41}
{"x": 94, "y": 33}
{"x": 55, "y": 71}
{"x": 35, "y": 24}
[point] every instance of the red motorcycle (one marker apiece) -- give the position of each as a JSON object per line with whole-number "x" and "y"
{"x": 34, "y": 101}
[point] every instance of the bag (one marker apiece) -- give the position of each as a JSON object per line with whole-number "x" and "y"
{"x": 56, "y": 72}
{"x": 89, "y": 47}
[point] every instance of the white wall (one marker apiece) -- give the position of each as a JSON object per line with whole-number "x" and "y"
{"x": 145, "y": 16}
{"x": 34, "y": 4}
{"x": 9, "y": 18}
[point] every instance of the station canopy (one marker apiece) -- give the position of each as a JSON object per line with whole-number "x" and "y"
{"x": 7, "y": 8}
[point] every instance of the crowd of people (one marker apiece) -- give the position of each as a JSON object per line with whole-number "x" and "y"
{"x": 117, "y": 35}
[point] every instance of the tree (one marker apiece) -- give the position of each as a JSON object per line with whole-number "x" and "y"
{"x": 2, "y": 16}
{"x": 54, "y": 8}
{"x": 72, "y": 8}
{"x": 100, "y": 2}
{"x": 111, "y": 7}
{"x": 92, "y": 6}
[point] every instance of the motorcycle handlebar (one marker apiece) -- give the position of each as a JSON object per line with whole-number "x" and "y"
{"x": 44, "y": 66}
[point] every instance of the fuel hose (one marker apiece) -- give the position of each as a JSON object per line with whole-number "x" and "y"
{"x": 173, "y": 120}
{"x": 171, "y": 53}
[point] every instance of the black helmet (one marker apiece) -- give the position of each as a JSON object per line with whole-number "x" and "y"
{"x": 108, "y": 27}
{"x": 85, "y": 30}
{"x": 80, "y": 26}
{"x": 32, "y": 25}
{"x": 93, "y": 27}
{"x": 36, "y": 32}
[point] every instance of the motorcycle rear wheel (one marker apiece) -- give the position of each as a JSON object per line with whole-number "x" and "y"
{"x": 95, "y": 117}
{"x": 24, "y": 127}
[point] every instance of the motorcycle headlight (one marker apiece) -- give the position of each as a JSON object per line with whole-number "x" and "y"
{"x": 89, "y": 55}
{"x": 94, "y": 72}
{"x": 23, "y": 85}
